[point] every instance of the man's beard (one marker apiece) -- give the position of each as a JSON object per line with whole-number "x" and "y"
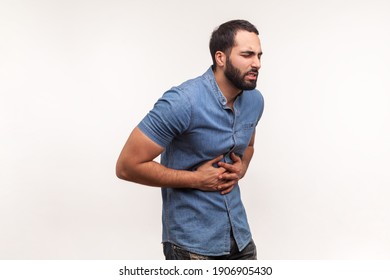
{"x": 234, "y": 75}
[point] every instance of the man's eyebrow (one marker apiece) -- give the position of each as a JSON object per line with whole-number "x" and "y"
{"x": 251, "y": 53}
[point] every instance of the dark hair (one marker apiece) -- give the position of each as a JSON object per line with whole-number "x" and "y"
{"x": 222, "y": 38}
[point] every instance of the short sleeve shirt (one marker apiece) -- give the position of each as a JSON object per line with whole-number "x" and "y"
{"x": 193, "y": 124}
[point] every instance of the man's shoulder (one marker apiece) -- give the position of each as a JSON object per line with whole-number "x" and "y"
{"x": 196, "y": 88}
{"x": 253, "y": 95}
{"x": 187, "y": 92}
{"x": 190, "y": 84}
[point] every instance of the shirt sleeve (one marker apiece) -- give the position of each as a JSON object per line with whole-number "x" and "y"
{"x": 261, "y": 107}
{"x": 169, "y": 117}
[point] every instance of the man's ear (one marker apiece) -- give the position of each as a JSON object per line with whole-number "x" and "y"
{"x": 220, "y": 59}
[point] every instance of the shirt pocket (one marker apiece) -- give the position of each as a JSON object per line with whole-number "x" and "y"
{"x": 244, "y": 133}
{"x": 246, "y": 126}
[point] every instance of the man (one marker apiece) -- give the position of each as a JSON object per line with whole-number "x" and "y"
{"x": 204, "y": 130}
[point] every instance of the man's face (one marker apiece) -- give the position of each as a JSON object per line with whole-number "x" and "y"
{"x": 243, "y": 63}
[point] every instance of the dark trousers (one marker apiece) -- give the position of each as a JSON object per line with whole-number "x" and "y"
{"x": 173, "y": 252}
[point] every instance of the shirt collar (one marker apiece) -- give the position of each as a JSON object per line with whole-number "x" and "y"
{"x": 209, "y": 75}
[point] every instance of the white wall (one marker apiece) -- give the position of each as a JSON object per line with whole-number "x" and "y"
{"x": 77, "y": 76}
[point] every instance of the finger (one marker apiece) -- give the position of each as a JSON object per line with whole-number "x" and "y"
{"x": 221, "y": 171}
{"x": 228, "y": 176}
{"x": 228, "y": 167}
{"x": 228, "y": 190}
{"x": 215, "y": 160}
{"x": 227, "y": 184}
{"x": 234, "y": 157}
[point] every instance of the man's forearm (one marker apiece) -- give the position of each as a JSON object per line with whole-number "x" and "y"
{"x": 154, "y": 174}
{"x": 246, "y": 159}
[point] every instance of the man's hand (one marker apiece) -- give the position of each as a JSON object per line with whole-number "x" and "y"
{"x": 210, "y": 176}
{"x": 233, "y": 173}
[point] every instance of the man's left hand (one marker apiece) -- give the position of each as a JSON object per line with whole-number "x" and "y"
{"x": 234, "y": 172}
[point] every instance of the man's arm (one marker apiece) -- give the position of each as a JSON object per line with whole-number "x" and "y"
{"x": 237, "y": 170}
{"x": 136, "y": 164}
{"x": 246, "y": 158}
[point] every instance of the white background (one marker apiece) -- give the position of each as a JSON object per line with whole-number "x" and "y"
{"x": 77, "y": 76}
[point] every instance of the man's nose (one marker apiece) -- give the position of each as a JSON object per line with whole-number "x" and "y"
{"x": 256, "y": 63}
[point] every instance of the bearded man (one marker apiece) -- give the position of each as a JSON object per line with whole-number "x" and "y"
{"x": 204, "y": 130}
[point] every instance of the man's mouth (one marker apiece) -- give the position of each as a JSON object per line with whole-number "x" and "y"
{"x": 252, "y": 75}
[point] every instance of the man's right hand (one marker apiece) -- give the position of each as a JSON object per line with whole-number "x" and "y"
{"x": 210, "y": 177}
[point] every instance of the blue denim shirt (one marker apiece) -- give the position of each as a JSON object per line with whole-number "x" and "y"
{"x": 194, "y": 125}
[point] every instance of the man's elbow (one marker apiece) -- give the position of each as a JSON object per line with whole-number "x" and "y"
{"x": 120, "y": 172}
{"x": 123, "y": 172}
